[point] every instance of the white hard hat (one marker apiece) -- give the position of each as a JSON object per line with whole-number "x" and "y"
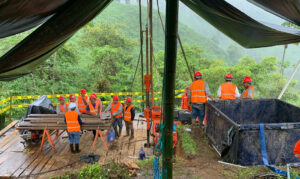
{"x": 72, "y": 106}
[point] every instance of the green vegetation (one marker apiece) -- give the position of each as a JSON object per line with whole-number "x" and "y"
{"x": 102, "y": 57}
{"x": 188, "y": 144}
{"x": 113, "y": 170}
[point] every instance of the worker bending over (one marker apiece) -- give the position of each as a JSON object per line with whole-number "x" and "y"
{"x": 129, "y": 113}
{"x": 248, "y": 93}
{"x": 197, "y": 96}
{"x": 184, "y": 100}
{"x": 98, "y": 100}
{"x": 82, "y": 101}
{"x": 72, "y": 100}
{"x": 61, "y": 108}
{"x": 73, "y": 121}
{"x": 116, "y": 109}
{"x": 228, "y": 90}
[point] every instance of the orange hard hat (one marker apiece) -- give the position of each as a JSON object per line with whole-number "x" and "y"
{"x": 129, "y": 99}
{"x": 228, "y": 76}
{"x": 94, "y": 94}
{"x": 247, "y": 79}
{"x": 93, "y": 97}
{"x": 115, "y": 98}
{"x": 197, "y": 74}
{"x": 71, "y": 96}
{"x": 82, "y": 91}
{"x": 61, "y": 98}
{"x": 187, "y": 88}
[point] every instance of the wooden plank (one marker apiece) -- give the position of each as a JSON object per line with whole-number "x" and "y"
{"x": 8, "y": 138}
{"x": 12, "y": 124}
{"x": 8, "y": 145}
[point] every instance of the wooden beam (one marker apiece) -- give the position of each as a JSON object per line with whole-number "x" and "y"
{"x": 12, "y": 124}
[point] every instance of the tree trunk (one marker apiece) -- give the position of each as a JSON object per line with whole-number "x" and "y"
{"x": 282, "y": 60}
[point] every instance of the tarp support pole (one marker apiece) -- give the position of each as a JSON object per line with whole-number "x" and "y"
{"x": 290, "y": 79}
{"x": 169, "y": 84}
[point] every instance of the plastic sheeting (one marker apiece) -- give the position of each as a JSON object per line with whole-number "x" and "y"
{"x": 44, "y": 41}
{"x": 41, "y": 106}
{"x": 20, "y": 15}
{"x": 288, "y": 10}
{"x": 241, "y": 28}
{"x": 233, "y": 129}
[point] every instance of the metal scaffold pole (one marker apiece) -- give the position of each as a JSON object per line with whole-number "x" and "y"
{"x": 169, "y": 84}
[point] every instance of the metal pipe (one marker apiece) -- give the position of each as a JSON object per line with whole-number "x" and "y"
{"x": 141, "y": 52}
{"x": 169, "y": 84}
{"x": 151, "y": 51}
{"x": 290, "y": 79}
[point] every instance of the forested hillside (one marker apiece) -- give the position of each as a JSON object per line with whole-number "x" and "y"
{"x": 102, "y": 57}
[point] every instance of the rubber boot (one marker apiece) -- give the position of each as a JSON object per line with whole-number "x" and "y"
{"x": 72, "y": 148}
{"x": 132, "y": 134}
{"x": 120, "y": 131}
{"x": 127, "y": 132}
{"x": 77, "y": 148}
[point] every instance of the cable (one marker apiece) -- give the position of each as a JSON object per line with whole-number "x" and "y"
{"x": 179, "y": 41}
{"x": 137, "y": 65}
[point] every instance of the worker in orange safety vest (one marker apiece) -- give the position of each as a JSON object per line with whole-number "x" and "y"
{"x": 197, "y": 97}
{"x": 228, "y": 90}
{"x": 72, "y": 99}
{"x": 248, "y": 93}
{"x": 73, "y": 121}
{"x": 129, "y": 114}
{"x": 184, "y": 100}
{"x": 93, "y": 108}
{"x": 82, "y": 101}
{"x": 61, "y": 108}
{"x": 116, "y": 109}
{"x": 98, "y": 100}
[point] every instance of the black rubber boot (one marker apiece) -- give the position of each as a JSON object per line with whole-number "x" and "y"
{"x": 120, "y": 131}
{"x": 116, "y": 131}
{"x": 127, "y": 132}
{"x": 77, "y": 148}
{"x": 72, "y": 148}
{"x": 132, "y": 134}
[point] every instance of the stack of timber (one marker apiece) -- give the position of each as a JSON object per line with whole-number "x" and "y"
{"x": 57, "y": 121}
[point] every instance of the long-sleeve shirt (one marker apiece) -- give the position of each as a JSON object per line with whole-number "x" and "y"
{"x": 237, "y": 93}
{"x": 94, "y": 105}
{"x": 132, "y": 111}
{"x": 58, "y": 111}
{"x": 250, "y": 92}
{"x": 206, "y": 88}
{"x": 120, "y": 109}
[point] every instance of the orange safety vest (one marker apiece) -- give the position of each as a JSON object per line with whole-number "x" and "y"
{"x": 184, "y": 102}
{"x": 62, "y": 109}
{"x": 198, "y": 92}
{"x": 228, "y": 91}
{"x": 245, "y": 95}
{"x": 297, "y": 149}
{"x": 72, "y": 121}
{"x": 114, "y": 108}
{"x": 81, "y": 105}
{"x": 92, "y": 109}
{"x": 127, "y": 113}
